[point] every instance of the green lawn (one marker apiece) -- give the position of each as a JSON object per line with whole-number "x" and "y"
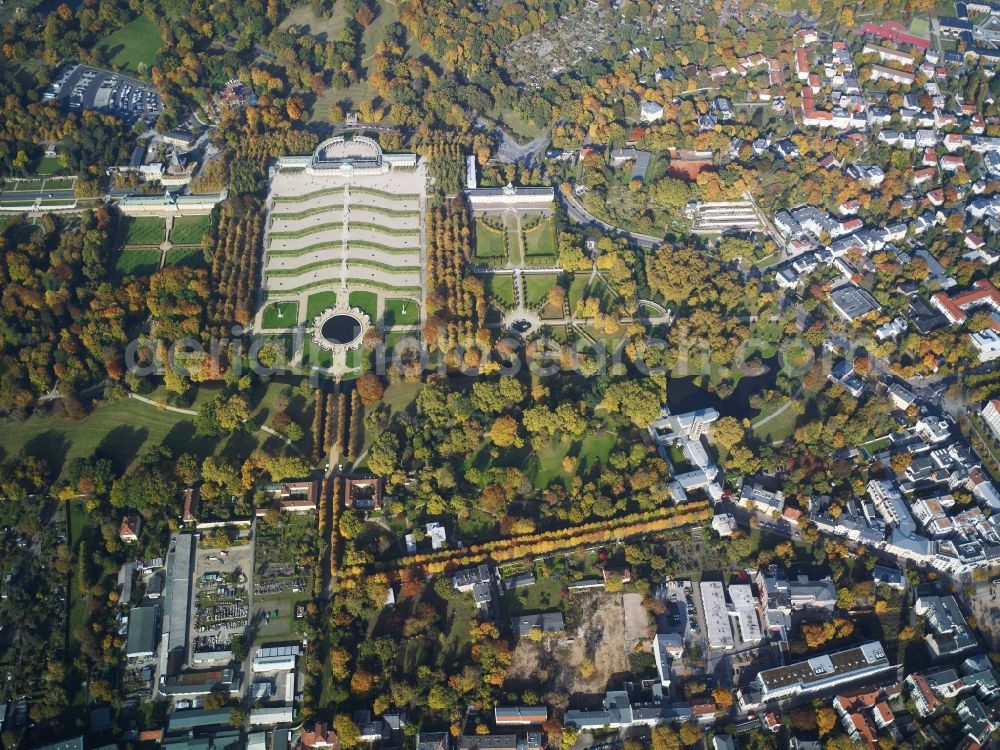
{"x": 136, "y": 42}
{"x": 549, "y": 463}
{"x": 521, "y": 129}
{"x": 142, "y": 230}
{"x": 318, "y": 302}
{"x": 545, "y": 594}
{"x": 541, "y": 240}
{"x": 138, "y": 261}
{"x": 489, "y": 241}
{"x": 545, "y": 466}
{"x": 779, "y": 428}
{"x": 596, "y": 449}
{"x": 401, "y": 312}
{"x": 878, "y": 445}
{"x": 920, "y": 26}
{"x": 188, "y": 230}
{"x": 461, "y": 611}
{"x": 60, "y": 183}
{"x": 357, "y": 360}
{"x": 123, "y": 430}
{"x": 22, "y": 186}
{"x": 367, "y": 302}
{"x": 50, "y": 165}
{"x": 289, "y": 315}
{"x": 388, "y": 13}
{"x": 119, "y": 431}
{"x": 537, "y": 285}
{"x": 576, "y": 289}
{"x": 192, "y": 257}
{"x": 501, "y": 288}
{"x": 313, "y": 355}
{"x": 398, "y": 396}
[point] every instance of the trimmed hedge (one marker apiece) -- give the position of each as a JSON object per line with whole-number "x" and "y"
{"x": 306, "y": 213}
{"x": 326, "y": 283}
{"x": 339, "y": 191}
{"x": 299, "y": 233}
{"x": 316, "y": 265}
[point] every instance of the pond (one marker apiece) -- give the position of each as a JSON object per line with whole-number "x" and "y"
{"x": 683, "y": 395}
{"x": 341, "y": 329}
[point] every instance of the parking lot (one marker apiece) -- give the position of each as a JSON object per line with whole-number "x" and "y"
{"x": 680, "y": 608}
{"x": 222, "y": 604}
{"x": 82, "y": 87}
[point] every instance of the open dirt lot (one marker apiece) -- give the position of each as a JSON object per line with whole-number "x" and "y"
{"x": 602, "y": 630}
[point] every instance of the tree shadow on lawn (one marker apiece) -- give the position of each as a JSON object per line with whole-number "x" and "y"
{"x": 52, "y": 446}
{"x": 183, "y": 438}
{"x": 122, "y": 445}
{"x": 239, "y": 446}
{"x": 112, "y": 52}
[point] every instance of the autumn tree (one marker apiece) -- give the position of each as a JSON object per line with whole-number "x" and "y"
{"x": 728, "y": 432}
{"x": 504, "y": 431}
{"x": 690, "y": 733}
{"x": 665, "y": 737}
{"x": 826, "y": 720}
{"x": 370, "y": 388}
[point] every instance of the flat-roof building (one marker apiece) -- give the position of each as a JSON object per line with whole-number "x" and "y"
{"x": 853, "y": 302}
{"x": 178, "y": 598}
{"x": 520, "y": 715}
{"x": 666, "y": 648}
{"x": 202, "y": 682}
{"x": 141, "y": 640}
{"x": 275, "y": 659}
{"x": 746, "y": 613}
{"x": 196, "y": 718}
{"x": 272, "y": 715}
{"x": 820, "y": 673}
{"x": 720, "y": 630}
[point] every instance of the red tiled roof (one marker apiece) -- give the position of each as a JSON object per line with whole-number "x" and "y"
{"x": 129, "y": 526}
{"x": 864, "y": 731}
{"x": 801, "y": 60}
{"x": 319, "y": 736}
{"x": 191, "y": 497}
{"x": 895, "y": 32}
{"x": 982, "y": 293}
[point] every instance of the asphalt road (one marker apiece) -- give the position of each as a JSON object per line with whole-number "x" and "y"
{"x": 579, "y": 215}
{"x": 511, "y": 152}
{"x": 55, "y": 195}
